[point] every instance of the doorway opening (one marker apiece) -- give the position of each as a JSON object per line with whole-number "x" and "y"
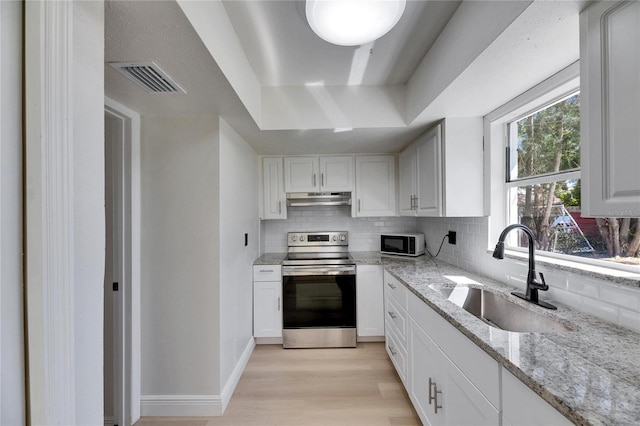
{"x": 122, "y": 272}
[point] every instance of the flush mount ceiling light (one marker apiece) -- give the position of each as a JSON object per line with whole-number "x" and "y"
{"x": 353, "y": 22}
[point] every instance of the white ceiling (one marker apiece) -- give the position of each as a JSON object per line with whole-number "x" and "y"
{"x": 270, "y": 47}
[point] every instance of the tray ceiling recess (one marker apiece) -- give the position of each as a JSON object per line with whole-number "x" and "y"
{"x": 149, "y": 76}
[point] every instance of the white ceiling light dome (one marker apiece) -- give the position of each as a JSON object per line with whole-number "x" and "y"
{"x": 353, "y": 22}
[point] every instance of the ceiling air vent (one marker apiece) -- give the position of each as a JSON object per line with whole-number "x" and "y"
{"x": 149, "y": 76}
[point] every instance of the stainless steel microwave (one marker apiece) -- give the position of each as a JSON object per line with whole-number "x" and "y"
{"x": 402, "y": 244}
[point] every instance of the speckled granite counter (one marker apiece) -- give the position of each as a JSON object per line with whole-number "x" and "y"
{"x": 591, "y": 375}
{"x": 270, "y": 259}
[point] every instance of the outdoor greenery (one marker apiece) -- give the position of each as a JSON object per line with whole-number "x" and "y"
{"x": 548, "y": 143}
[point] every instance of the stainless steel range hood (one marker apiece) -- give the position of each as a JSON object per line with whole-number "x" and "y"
{"x": 303, "y": 199}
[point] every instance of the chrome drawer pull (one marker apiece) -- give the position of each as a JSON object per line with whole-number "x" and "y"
{"x": 391, "y": 350}
{"x": 392, "y": 314}
{"x": 393, "y": 287}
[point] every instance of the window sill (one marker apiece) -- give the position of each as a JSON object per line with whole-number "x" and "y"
{"x": 626, "y": 278}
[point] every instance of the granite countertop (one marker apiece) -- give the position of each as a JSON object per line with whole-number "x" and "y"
{"x": 270, "y": 259}
{"x": 591, "y": 374}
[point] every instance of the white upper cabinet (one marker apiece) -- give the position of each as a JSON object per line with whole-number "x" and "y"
{"x": 318, "y": 174}
{"x": 375, "y": 193}
{"x": 273, "y": 195}
{"x": 441, "y": 173}
{"x": 407, "y": 176}
{"x": 610, "y": 109}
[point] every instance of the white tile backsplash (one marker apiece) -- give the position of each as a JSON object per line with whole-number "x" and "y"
{"x": 630, "y": 319}
{"x": 617, "y": 304}
{"x": 364, "y": 233}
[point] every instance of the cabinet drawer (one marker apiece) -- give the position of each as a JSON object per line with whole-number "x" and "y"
{"x": 398, "y": 355}
{"x": 396, "y": 318}
{"x": 267, "y": 273}
{"x": 395, "y": 289}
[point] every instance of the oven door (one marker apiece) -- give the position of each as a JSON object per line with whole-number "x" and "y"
{"x": 319, "y": 306}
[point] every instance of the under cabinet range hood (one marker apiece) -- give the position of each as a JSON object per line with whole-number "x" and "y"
{"x": 303, "y": 199}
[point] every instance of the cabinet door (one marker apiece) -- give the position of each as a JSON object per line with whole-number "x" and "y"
{"x": 407, "y": 181}
{"x": 462, "y": 403}
{"x": 301, "y": 174}
{"x": 336, "y": 174}
{"x": 609, "y": 108}
{"x": 522, "y": 406}
{"x": 423, "y": 372}
{"x": 369, "y": 297}
{"x": 267, "y": 309}
{"x": 375, "y": 186}
{"x": 273, "y": 196}
{"x": 429, "y": 166}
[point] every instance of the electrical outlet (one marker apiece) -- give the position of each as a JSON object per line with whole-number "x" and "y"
{"x": 452, "y": 237}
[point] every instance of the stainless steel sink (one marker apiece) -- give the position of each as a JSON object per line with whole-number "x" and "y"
{"x": 500, "y": 312}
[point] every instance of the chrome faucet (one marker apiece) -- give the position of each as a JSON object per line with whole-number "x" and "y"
{"x": 533, "y": 286}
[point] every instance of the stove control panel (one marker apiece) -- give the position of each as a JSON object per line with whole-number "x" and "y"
{"x": 336, "y": 238}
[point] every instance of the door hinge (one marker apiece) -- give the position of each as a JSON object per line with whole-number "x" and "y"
{"x": 115, "y": 286}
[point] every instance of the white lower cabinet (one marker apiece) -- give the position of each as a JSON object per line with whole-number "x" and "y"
{"x": 369, "y": 295}
{"x": 523, "y": 407}
{"x": 267, "y": 301}
{"x": 395, "y": 324}
{"x": 449, "y": 379}
{"x": 441, "y": 393}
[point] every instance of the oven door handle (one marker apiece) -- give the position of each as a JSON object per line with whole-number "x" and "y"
{"x": 300, "y": 271}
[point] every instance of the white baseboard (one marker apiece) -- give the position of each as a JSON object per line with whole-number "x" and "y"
{"x": 230, "y": 386}
{"x": 268, "y": 340}
{"x": 180, "y": 405}
{"x": 371, "y": 339}
{"x": 196, "y": 405}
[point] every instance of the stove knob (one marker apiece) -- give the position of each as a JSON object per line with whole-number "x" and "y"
{"x": 294, "y": 237}
{"x": 343, "y": 237}
{"x": 335, "y": 238}
{"x": 301, "y": 237}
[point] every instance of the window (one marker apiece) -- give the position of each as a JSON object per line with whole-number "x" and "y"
{"x": 543, "y": 184}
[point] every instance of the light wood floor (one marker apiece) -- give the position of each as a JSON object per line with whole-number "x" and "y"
{"x": 312, "y": 387}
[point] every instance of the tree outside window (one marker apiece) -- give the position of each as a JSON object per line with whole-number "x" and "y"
{"x": 543, "y": 160}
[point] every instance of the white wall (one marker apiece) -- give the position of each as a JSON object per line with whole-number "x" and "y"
{"x": 615, "y": 303}
{"x": 12, "y": 403}
{"x": 180, "y": 270}
{"x": 238, "y": 215}
{"x": 199, "y": 189}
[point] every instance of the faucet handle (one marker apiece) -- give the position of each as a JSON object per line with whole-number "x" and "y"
{"x": 544, "y": 284}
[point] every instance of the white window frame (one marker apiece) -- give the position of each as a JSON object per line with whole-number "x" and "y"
{"x": 556, "y": 87}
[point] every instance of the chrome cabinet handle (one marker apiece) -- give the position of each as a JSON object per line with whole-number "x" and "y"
{"x": 279, "y": 207}
{"x": 278, "y": 304}
{"x": 393, "y": 287}
{"x": 267, "y": 270}
{"x": 435, "y": 402}
{"x": 359, "y": 204}
{"x": 393, "y": 352}
{"x": 392, "y": 314}
{"x": 430, "y": 387}
{"x": 314, "y": 179}
{"x": 434, "y": 396}
{"x": 321, "y": 179}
